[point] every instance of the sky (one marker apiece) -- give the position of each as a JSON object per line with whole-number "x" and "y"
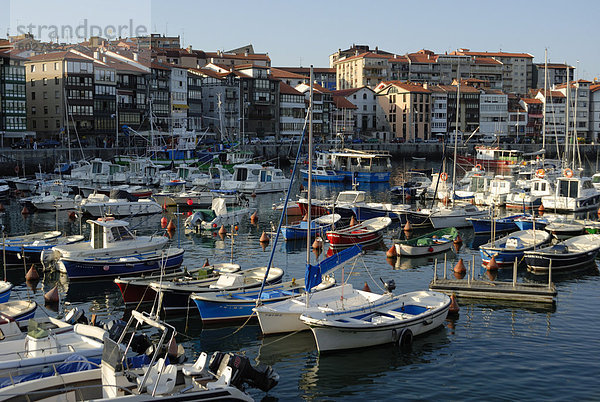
{"x": 296, "y": 33}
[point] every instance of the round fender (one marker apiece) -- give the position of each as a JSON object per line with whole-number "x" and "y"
{"x": 405, "y": 339}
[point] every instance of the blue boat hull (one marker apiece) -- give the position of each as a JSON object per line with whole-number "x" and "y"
{"x": 524, "y": 225}
{"x": 503, "y": 258}
{"x": 226, "y": 311}
{"x": 4, "y": 296}
{"x": 366, "y": 177}
{"x": 324, "y": 178}
{"x": 85, "y": 269}
{"x": 364, "y": 213}
{"x": 296, "y": 232}
{"x": 484, "y": 225}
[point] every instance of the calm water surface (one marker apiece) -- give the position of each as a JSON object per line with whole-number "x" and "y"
{"x": 489, "y": 352}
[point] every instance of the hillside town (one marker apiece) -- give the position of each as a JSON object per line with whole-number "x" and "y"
{"x": 104, "y": 90}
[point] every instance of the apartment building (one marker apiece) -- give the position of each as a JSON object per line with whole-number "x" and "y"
{"x": 468, "y": 103}
{"x": 160, "y": 95}
{"x": 157, "y": 41}
{"x": 405, "y": 109}
{"x": 13, "y": 109}
{"x": 325, "y": 77}
{"x": 344, "y": 116}
{"x": 595, "y": 112}
{"x": 221, "y": 102}
{"x": 194, "y": 99}
{"x": 292, "y": 111}
{"x": 578, "y": 107}
{"x": 359, "y": 70}
{"x": 493, "y": 112}
{"x": 260, "y": 92}
{"x": 557, "y": 74}
{"x": 555, "y": 104}
{"x": 365, "y": 100}
{"x": 439, "y": 111}
{"x": 535, "y": 117}
{"x": 50, "y": 78}
{"x": 517, "y": 71}
{"x": 322, "y": 109}
{"x": 178, "y": 98}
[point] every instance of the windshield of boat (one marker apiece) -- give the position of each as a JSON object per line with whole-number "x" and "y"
{"x": 121, "y": 233}
{"x": 568, "y": 188}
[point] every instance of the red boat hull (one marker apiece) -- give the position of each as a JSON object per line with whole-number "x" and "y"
{"x": 350, "y": 238}
{"x": 315, "y": 210}
{"x": 136, "y": 293}
{"x": 485, "y": 163}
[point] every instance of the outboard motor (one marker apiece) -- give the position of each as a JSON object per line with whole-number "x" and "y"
{"x": 115, "y": 328}
{"x": 75, "y": 316}
{"x": 215, "y": 362}
{"x": 261, "y": 376}
{"x": 389, "y": 285}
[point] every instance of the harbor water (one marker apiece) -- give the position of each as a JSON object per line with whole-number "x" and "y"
{"x": 490, "y": 351}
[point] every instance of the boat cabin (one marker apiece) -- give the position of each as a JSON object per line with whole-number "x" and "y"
{"x": 501, "y": 185}
{"x": 573, "y": 187}
{"x": 350, "y": 197}
{"x": 541, "y": 188}
{"x": 257, "y": 173}
{"x": 510, "y": 156}
{"x": 108, "y": 230}
{"x": 355, "y": 161}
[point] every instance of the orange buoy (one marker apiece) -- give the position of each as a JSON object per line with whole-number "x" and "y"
{"x": 391, "y": 253}
{"x": 24, "y": 211}
{"x": 254, "y": 218}
{"x": 222, "y": 231}
{"x": 32, "y": 274}
{"x": 366, "y": 288}
{"x": 460, "y": 275}
{"x": 264, "y": 238}
{"x": 163, "y": 222}
{"x": 164, "y": 205}
{"x": 304, "y": 218}
{"x": 460, "y": 267}
{"x": 598, "y": 211}
{"x": 52, "y": 295}
{"x": 408, "y": 227}
{"x": 171, "y": 226}
{"x": 492, "y": 265}
{"x": 253, "y": 195}
{"x": 492, "y": 275}
{"x": 454, "y": 308}
{"x": 318, "y": 243}
{"x": 353, "y": 221}
{"x": 541, "y": 209}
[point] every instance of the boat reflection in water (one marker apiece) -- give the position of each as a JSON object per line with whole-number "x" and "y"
{"x": 329, "y": 375}
{"x": 278, "y": 348}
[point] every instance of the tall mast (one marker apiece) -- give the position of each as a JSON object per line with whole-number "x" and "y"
{"x": 310, "y": 165}
{"x": 456, "y": 131}
{"x": 545, "y": 97}
{"x": 567, "y": 148}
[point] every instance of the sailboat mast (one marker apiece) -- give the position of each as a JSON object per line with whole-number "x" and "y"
{"x": 567, "y": 148}
{"x": 310, "y": 165}
{"x": 545, "y": 97}
{"x": 456, "y": 131}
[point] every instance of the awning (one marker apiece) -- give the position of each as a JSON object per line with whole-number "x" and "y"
{"x": 181, "y": 106}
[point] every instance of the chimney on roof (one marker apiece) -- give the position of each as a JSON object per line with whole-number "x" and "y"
{"x": 135, "y": 56}
{"x": 376, "y": 49}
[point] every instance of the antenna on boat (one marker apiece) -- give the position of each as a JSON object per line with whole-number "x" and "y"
{"x": 310, "y": 169}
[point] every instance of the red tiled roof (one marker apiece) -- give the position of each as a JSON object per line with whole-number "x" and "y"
{"x": 56, "y": 56}
{"x": 554, "y": 66}
{"x": 279, "y": 73}
{"x": 531, "y": 100}
{"x": 306, "y": 70}
{"x": 288, "y": 90}
{"x": 256, "y": 56}
{"x": 342, "y": 103}
{"x": 364, "y": 56}
{"x": 407, "y": 86}
{"x": 494, "y": 54}
{"x": 594, "y": 87}
{"x": 346, "y": 92}
{"x": 421, "y": 58}
{"x": 486, "y": 60}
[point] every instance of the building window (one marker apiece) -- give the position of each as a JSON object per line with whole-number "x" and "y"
{"x": 45, "y": 123}
{"x": 32, "y": 68}
{"x": 57, "y": 123}
{"x": 45, "y": 95}
{"x": 44, "y": 67}
{"x": 45, "y": 109}
{"x": 33, "y": 96}
{"x": 45, "y": 81}
{"x": 56, "y": 80}
{"x": 32, "y": 83}
{"x": 33, "y": 110}
{"x": 56, "y": 66}
{"x": 33, "y": 124}
{"x": 57, "y": 109}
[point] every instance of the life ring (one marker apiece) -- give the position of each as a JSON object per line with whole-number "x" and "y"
{"x": 478, "y": 166}
{"x": 444, "y": 176}
{"x": 540, "y": 173}
{"x": 568, "y": 172}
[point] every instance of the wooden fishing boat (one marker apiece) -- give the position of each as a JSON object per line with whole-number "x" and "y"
{"x": 508, "y": 248}
{"x": 430, "y": 243}
{"x": 575, "y": 253}
{"x": 318, "y": 227}
{"x": 367, "y": 232}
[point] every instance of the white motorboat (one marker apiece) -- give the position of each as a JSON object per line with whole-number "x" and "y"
{"x": 43, "y": 347}
{"x": 202, "y": 197}
{"x": 219, "y": 215}
{"x": 55, "y": 201}
{"x": 257, "y": 179}
{"x": 381, "y": 319}
{"x": 453, "y": 216}
{"x": 499, "y": 188}
{"x": 119, "y": 203}
{"x": 109, "y": 238}
{"x": 573, "y": 194}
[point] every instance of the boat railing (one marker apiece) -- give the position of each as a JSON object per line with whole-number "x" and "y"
{"x": 55, "y": 371}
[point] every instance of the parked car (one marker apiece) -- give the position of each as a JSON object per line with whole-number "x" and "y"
{"x": 48, "y": 144}
{"x": 84, "y": 143}
{"x": 19, "y": 144}
{"x": 398, "y": 140}
{"x": 357, "y": 141}
{"x": 373, "y": 140}
{"x": 255, "y": 140}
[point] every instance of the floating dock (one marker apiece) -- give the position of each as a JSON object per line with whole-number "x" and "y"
{"x": 477, "y": 289}
{"x": 472, "y": 288}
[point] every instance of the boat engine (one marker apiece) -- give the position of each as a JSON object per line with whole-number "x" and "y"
{"x": 260, "y": 376}
{"x": 389, "y": 285}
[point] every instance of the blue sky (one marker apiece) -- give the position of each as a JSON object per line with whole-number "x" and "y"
{"x": 306, "y": 32}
